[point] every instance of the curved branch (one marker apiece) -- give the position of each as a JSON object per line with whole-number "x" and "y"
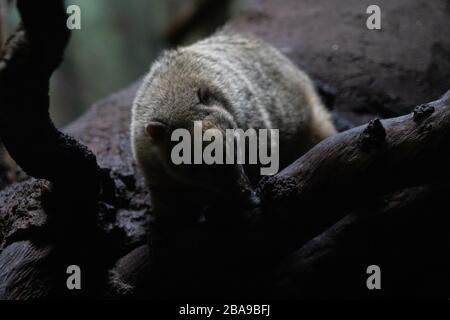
{"x": 29, "y": 58}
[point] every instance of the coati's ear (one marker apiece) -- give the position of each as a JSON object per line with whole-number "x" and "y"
{"x": 204, "y": 95}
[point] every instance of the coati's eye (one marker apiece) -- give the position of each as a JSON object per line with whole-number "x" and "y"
{"x": 204, "y": 95}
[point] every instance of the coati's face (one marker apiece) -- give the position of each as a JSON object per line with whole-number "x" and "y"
{"x": 173, "y": 97}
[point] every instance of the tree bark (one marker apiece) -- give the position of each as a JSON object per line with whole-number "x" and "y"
{"x": 352, "y": 167}
{"x": 28, "y": 60}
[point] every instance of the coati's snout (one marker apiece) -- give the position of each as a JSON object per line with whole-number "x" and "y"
{"x": 216, "y": 182}
{"x": 157, "y": 130}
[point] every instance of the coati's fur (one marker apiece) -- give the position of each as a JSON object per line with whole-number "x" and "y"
{"x": 249, "y": 85}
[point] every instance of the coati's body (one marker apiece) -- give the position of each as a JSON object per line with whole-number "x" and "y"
{"x": 250, "y": 85}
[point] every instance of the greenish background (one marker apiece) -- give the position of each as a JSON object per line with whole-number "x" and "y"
{"x": 117, "y": 42}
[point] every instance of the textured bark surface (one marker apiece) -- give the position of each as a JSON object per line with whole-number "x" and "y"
{"x": 365, "y": 74}
{"x": 352, "y": 167}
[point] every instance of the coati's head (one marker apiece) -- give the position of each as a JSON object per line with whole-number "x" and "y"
{"x": 179, "y": 90}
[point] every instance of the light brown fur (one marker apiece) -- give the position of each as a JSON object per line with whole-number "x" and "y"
{"x": 253, "y": 85}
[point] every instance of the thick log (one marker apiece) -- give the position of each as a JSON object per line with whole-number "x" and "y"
{"x": 405, "y": 234}
{"x": 345, "y": 170}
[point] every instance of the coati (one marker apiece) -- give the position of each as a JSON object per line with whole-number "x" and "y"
{"x": 226, "y": 81}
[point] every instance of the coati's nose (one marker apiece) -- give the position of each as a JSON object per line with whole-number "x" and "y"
{"x": 156, "y": 129}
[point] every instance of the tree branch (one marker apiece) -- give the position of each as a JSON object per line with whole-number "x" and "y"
{"x": 345, "y": 170}
{"x": 28, "y": 60}
{"x": 404, "y": 234}
{"x": 30, "y": 56}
